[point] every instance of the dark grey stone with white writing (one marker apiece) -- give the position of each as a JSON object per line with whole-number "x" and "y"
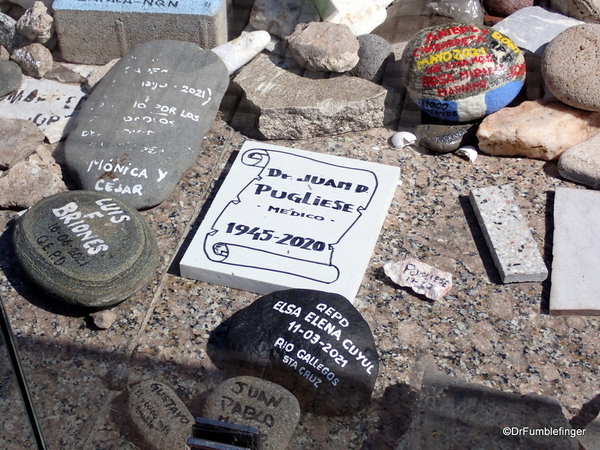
{"x": 316, "y": 344}
{"x": 86, "y": 248}
{"x": 11, "y": 77}
{"x": 159, "y": 416}
{"x": 142, "y": 127}
{"x": 445, "y": 138}
{"x": 258, "y": 403}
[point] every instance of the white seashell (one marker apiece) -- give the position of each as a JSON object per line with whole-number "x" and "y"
{"x": 403, "y": 139}
{"x": 469, "y": 152}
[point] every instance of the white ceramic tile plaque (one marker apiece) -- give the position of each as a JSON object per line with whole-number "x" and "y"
{"x": 287, "y": 218}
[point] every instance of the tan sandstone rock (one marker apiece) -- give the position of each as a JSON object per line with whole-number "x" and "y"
{"x": 536, "y": 129}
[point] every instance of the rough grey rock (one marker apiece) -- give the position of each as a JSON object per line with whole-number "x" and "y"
{"x": 9, "y": 38}
{"x": 280, "y": 17}
{"x": 86, "y": 248}
{"x": 278, "y": 104}
{"x": 159, "y": 416}
{"x": 315, "y": 344}
{"x": 18, "y": 139}
{"x": 34, "y": 59}
{"x": 11, "y": 77}
{"x": 455, "y": 414}
{"x": 581, "y": 163}
{"x": 258, "y": 403}
{"x": 445, "y": 138}
{"x": 30, "y": 180}
{"x": 570, "y": 67}
{"x": 537, "y": 129}
{"x": 324, "y": 47}
{"x": 586, "y": 10}
{"x": 374, "y": 53}
{"x": 142, "y": 127}
{"x": 36, "y": 24}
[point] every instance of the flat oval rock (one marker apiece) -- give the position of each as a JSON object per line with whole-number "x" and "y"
{"x": 313, "y": 343}
{"x": 86, "y": 248}
{"x": 258, "y": 403}
{"x": 159, "y": 416}
{"x": 462, "y": 72}
{"x": 143, "y": 125}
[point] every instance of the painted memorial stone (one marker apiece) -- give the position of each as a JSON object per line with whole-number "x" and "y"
{"x": 143, "y": 125}
{"x": 287, "y": 218}
{"x": 86, "y": 248}
{"x": 461, "y": 72}
{"x": 313, "y": 343}
{"x": 159, "y": 415}
{"x": 266, "y": 406}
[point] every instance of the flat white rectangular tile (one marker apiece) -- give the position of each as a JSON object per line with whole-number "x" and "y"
{"x": 287, "y": 218}
{"x": 576, "y": 253}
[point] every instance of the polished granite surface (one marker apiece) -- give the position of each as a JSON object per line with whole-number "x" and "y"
{"x": 483, "y": 331}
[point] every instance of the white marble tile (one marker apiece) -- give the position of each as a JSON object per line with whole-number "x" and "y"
{"x": 287, "y": 218}
{"x": 576, "y": 252}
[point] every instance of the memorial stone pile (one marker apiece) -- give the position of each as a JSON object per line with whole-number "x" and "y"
{"x": 461, "y": 72}
{"x": 258, "y": 403}
{"x": 143, "y": 125}
{"x": 86, "y": 248}
{"x": 313, "y": 343}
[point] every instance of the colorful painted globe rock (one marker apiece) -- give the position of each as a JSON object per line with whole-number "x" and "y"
{"x": 462, "y": 72}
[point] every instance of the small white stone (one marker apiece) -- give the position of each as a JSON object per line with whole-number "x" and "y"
{"x": 361, "y": 16}
{"x": 468, "y": 152}
{"x": 238, "y": 52}
{"x": 403, "y": 139}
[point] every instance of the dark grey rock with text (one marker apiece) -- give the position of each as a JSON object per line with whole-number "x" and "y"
{"x": 86, "y": 248}
{"x": 142, "y": 127}
{"x": 313, "y": 343}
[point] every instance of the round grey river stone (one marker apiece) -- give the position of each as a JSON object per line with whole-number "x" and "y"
{"x": 570, "y": 66}
{"x": 374, "y": 53}
{"x": 86, "y": 248}
{"x": 313, "y": 343}
{"x": 11, "y": 77}
{"x": 258, "y": 403}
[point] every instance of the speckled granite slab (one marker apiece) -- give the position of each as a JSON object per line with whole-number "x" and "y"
{"x": 575, "y": 281}
{"x": 515, "y": 252}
